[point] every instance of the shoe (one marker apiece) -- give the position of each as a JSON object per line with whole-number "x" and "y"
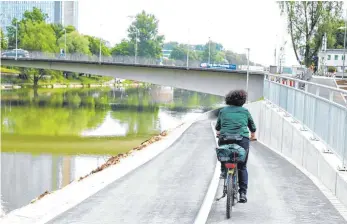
{"x": 243, "y": 198}
{"x": 223, "y": 175}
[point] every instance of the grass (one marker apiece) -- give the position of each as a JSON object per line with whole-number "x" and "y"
{"x": 8, "y": 70}
{"x": 70, "y": 145}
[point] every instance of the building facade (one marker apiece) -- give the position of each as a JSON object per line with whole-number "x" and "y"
{"x": 332, "y": 58}
{"x": 59, "y": 12}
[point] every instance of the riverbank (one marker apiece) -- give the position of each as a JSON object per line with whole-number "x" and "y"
{"x": 51, "y": 204}
{"x": 71, "y": 85}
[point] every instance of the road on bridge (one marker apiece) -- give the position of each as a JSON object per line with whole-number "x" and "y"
{"x": 171, "y": 189}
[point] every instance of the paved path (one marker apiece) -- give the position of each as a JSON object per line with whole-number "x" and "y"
{"x": 168, "y": 189}
{"x": 278, "y": 193}
{"x": 171, "y": 188}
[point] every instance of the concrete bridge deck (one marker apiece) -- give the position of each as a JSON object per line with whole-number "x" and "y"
{"x": 171, "y": 189}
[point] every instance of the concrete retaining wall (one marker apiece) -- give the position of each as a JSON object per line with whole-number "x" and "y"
{"x": 282, "y": 134}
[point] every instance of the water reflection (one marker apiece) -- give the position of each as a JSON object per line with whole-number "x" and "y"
{"x": 56, "y": 136}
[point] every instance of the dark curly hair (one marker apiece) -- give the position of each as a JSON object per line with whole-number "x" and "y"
{"x": 236, "y": 98}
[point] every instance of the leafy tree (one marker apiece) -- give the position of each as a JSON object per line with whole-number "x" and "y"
{"x": 200, "y": 47}
{"x": 4, "y": 41}
{"x": 75, "y": 43}
{"x": 35, "y": 16}
{"x": 217, "y": 56}
{"x": 145, "y": 28}
{"x": 37, "y": 36}
{"x": 94, "y": 46}
{"x": 307, "y": 21}
{"x": 122, "y": 48}
{"x": 170, "y": 45}
{"x": 180, "y": 52}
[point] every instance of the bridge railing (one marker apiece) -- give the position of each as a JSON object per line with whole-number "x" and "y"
{"x": 325, "y": 116}
{"x": 113, "y": 59}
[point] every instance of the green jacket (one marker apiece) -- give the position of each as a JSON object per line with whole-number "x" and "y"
{"x": 235, "y": 120}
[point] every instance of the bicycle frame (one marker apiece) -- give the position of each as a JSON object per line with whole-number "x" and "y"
{"x": 232, "y": 172}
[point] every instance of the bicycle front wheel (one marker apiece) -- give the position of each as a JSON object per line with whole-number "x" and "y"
{"x": 230, "y": 195}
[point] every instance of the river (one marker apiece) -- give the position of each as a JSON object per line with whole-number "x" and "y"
{"x": 51, "y": 137}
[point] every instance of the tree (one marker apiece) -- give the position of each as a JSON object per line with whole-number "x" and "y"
{"x": 35, "y": 16}
{"x": 216, "y": 55}
{"x": 180, "y": 52}
{"x": 307, "y": 21}
{"x": 122, "y": 48}
{"x": 75, "y": 43}
{"x": 37, "y": 36}
{"x": 94, "y": 46}
{"x": 145, "y": 28}
{"x": 170, "y": 45}
{"x": 4, "y": 41}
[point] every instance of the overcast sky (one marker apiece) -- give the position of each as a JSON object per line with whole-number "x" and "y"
{"x": 236, "y": 24}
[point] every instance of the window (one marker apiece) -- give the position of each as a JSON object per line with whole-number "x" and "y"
{"x": 329, "y": 57}
{"x": 336, "y": 57}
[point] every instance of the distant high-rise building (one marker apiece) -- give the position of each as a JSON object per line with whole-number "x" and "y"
{"x": 60, "y": 12}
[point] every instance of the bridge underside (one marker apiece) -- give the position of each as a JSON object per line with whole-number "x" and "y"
{"x": 200, "y": 80}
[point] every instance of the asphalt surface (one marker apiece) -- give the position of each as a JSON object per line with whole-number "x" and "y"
{"x": 171, "y": 188}
{"x": 278, "y": 193}
{"x": 168, "y": 189}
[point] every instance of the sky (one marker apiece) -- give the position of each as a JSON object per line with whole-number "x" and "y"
{"x": 235, "y": 24}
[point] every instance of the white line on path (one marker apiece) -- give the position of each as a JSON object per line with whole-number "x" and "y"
{"x": 205, "y": 208}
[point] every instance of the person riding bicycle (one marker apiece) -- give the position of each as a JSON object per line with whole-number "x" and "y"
{"x": 234, "y": 121}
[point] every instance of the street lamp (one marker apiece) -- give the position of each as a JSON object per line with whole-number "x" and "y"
{"x": 344, "y": 49}
{"x": 16, "y": 39}
{"x": 248, "y": 49}
{"x": 65, "y": 44}
{"x": 100, "y": 46}
{"x": 209, "y": 51}
{"x": 136, "y": 37}
{"x": 188, "y": 50}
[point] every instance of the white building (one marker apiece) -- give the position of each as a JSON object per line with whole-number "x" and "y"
{"x": 332, "y": 58}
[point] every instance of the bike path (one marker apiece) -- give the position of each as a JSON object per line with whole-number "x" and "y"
{"x": 168, "y": 189}
{"x": 278, "y": 193}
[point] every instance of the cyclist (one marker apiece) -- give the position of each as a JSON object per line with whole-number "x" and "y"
{"x": 234, "y": 121}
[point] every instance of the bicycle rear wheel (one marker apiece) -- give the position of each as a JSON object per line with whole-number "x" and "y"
{"x": 230, "y": 195}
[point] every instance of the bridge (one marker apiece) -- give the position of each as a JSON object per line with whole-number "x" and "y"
{"x": 212, "y": 81}
{"x": 297, "y": 168}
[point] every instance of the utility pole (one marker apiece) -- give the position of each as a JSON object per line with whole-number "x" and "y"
{"x": 209, "y": 51}
{"x": 247, "y": 73}
{"x": 16, "y": 39}
{"x": 188, "y": 51}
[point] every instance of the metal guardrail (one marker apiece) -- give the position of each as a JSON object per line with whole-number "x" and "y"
{"x": 127, "y": 60}
{"x": 323, "y": 115}
{"x": 110, "y": 59}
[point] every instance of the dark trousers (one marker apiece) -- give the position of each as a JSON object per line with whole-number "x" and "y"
{"x": 242, "y": 167}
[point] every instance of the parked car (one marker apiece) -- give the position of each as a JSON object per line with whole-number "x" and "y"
{"x": 12, "y": 53}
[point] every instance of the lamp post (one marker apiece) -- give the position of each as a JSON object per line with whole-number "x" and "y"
{"x": 209, "y": 51}
{"x": 248, "y": 49}
{"x": 16, "y": 39}
{"x": 65, "y": 44}
{"x": 136, "y": 37}
{"x": 344, "y": 49}
{"x": 100, "y": 47}
{"x": 188, "y": 51}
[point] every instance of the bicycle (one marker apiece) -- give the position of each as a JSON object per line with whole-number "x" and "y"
{"x": 231, "y": 183}
{"x": 230, "y": 188}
